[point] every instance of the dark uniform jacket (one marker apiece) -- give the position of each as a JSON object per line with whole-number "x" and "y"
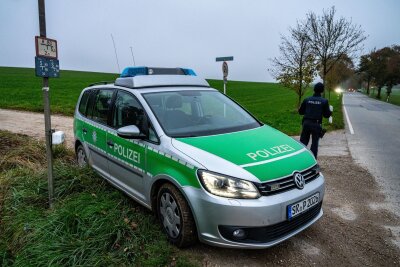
{"x": 314, "y": 108}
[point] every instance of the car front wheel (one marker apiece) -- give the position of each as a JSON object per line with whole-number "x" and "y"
{"x": 175, "y": 216}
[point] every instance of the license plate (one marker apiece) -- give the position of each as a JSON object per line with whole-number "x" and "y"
{"x": 299, "y": 207}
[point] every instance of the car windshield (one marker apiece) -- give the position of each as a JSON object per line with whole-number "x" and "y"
{"x": 198, "y": 113}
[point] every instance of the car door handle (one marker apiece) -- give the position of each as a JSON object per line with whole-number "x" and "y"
{"x": 110, "y": 143}
{"x": 84, "y": 130}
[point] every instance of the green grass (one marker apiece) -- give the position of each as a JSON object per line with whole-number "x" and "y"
{"x": 21, "y": 89}
{"x": 91, "y": 223}
{"x": 394, "y": 96}
{"x": 269, "y": 102}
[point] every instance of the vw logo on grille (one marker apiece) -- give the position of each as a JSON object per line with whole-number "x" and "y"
{"x": 299, "y": 180}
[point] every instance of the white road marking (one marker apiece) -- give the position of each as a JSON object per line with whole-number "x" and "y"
{"x": 274, "y": 159}
{"x": 347, "y": 118}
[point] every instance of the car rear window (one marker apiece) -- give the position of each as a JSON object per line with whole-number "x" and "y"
{"x": 83, "y": 103}
{"x": 102, "y": 106}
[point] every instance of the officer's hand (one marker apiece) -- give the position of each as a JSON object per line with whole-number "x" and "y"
{"x": 331, "y": 108}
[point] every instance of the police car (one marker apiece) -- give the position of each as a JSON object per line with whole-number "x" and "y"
{"x": 208, "y": 169}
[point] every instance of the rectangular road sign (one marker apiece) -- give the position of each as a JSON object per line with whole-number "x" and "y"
{"x": 224, "y": 59}
{"x": 46, "y": 47}
{"x": 47, "y": 67}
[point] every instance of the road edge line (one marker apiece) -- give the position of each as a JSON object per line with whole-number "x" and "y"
{"x": 347, "y": 117}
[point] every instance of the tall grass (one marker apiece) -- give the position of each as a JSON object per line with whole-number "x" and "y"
{"x": 91, "y": 223}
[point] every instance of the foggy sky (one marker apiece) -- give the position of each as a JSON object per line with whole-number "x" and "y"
{"x": 173, "y": 33}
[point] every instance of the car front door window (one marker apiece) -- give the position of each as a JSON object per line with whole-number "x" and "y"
{"x": 128, "y": 111}
{"x": 102, "y": 106}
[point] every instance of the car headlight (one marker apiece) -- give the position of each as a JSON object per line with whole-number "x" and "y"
{"x": 316, "y": 168}
{"x": 225, "y": 186}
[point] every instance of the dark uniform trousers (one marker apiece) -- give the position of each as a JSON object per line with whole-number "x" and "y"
{"x": 311, "y": 128}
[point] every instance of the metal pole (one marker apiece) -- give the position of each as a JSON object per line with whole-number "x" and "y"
{"x": 46, "y": 105}
{"x": 224, "y": 94}
{"x": 49, "y": 151}
{"x": 133, "y": 58}
{"x": 224, "y": 87}
{"x": 115, "y": 50}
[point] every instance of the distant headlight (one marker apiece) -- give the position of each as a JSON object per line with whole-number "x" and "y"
{"x": 225, "y": 186}
{"x": 338, "y": 90}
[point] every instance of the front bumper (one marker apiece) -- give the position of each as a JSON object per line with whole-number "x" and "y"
{"x": 211, "y": 212}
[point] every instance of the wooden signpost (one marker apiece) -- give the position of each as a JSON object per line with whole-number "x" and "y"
{"x": 46, "y": 66}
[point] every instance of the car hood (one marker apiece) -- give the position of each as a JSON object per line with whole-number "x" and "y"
{"x": 263, "y": 152}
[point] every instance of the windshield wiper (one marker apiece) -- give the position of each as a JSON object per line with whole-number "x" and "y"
{"x": 183, "y": 136}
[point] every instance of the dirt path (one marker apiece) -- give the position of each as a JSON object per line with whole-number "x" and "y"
{"x": 32, "y": 124}
{"x": 356, "y": 229}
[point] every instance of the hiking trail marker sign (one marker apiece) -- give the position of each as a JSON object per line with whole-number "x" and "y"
{"x": 46, "y": 60}
{"x": 46, "y": 47}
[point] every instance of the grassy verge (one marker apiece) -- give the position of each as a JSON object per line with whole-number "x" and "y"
{"x": 91, "y": 223}
{"x": 269, "y": 102}
{"x": 394, "y": 96}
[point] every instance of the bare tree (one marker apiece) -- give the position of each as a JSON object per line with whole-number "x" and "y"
{"x": 332, "y": 38}
{"x": 295, "y": 67}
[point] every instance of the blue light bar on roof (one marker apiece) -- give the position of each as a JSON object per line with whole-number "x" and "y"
{"x": 136, "y": 71}
{"x": 189, "y": 72}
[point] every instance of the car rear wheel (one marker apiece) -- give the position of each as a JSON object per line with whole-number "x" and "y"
{"x": 175, "y": 216}
{"x": 81, "y": 156}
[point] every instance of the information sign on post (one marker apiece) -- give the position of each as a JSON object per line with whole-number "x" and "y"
{"x": 225, "y": 72}
{"x": 46, "y": 62}
{"x": 46, "y": 47}
{"x": 224, "y": 59}
{"x": 224, "y": 69}
{"x": 47, "y": 67}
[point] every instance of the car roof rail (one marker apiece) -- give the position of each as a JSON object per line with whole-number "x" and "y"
{"x": 101, "y": 82}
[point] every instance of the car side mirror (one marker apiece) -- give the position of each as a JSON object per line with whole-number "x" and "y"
{"x": 129, "y": 132}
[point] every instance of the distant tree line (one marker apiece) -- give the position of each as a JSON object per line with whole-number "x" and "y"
{"x": 320, "y": 44}
{"x": 381, "y": 68}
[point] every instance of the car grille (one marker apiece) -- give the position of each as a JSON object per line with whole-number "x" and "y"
{"x": 272, "y": 232}
{"x": 286, "y": 183}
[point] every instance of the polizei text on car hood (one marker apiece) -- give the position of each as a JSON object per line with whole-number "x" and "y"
{"x": 264, "y": 152}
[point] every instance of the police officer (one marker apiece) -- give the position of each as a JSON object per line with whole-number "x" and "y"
{"x": 314, "y": 108}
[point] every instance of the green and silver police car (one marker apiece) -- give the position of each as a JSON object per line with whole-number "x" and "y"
{"x": 208, "y": 169}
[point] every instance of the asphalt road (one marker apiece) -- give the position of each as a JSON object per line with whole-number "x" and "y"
{"x": 375, "y": 143}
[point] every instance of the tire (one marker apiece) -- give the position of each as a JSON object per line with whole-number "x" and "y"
{"x": 81, "y": 157}
{"x": 175, "y": 216}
